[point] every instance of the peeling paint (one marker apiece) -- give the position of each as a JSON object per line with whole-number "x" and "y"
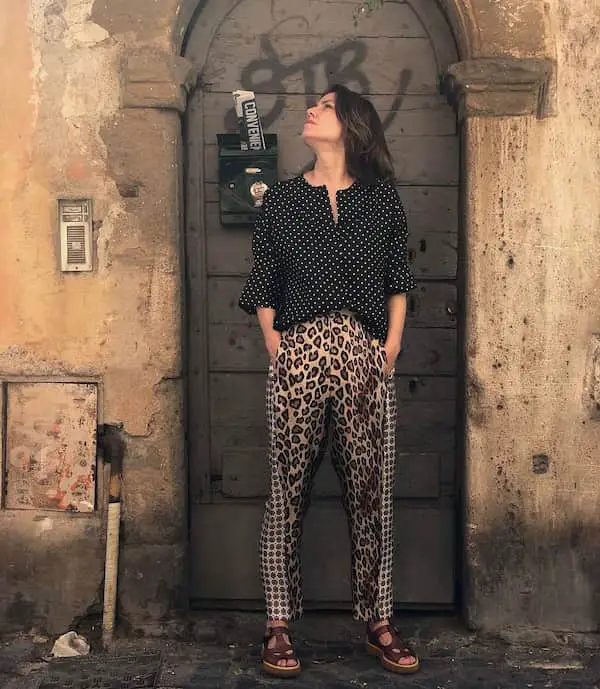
{"x": 82, "y": 31}
{"x": 51, "y": 446}
{"x": 80, "y": 101}
{"x": 45, "y": 524}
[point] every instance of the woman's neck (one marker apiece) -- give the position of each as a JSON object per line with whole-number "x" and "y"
{"x": 330, "y": 169}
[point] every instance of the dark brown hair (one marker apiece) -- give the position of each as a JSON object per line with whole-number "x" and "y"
{"x": 368, "y": 157}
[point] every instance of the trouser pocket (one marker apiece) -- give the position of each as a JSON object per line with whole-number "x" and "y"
{"x": 381, "y": 358}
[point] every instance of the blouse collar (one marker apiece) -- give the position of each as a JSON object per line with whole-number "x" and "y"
{"x": 350, "y": 188}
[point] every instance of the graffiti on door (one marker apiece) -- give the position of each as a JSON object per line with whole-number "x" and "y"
{"x": 342, "y": 63}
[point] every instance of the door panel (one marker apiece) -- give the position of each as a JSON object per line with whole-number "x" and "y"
{"x": 323, "y": 19}
{"x": 226, "y": 568}
{"x": 245, "y": 474}
{"x": 287, "y": 58}
{"x": 419, "y": 160}
{"x": 430, "y": 305}
{"x": 222, "y": 70}
{"x": 429, "y": 208}
{"x": 432, "y": 249}
{"x": 239, "y": 347}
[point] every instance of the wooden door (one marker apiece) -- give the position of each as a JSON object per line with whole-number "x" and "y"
{"x": 287, "y": 53}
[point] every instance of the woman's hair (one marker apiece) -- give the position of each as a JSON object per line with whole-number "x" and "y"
{"x": 368, "y": 157}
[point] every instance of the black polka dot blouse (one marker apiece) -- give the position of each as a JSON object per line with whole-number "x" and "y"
{"x": 307, "y": 265}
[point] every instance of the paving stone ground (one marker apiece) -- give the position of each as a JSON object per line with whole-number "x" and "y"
{"x": 223, "y": 652}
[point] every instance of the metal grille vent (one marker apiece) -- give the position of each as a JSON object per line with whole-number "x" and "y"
{"x": 75, "y": 234}
{"x": 76, "y": 244}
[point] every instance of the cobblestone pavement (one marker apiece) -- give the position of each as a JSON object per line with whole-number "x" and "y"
{"x": 224, "y": 653}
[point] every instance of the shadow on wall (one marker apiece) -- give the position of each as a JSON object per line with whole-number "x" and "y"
{"x": 21, "y": 613}
{"x": 50, "y": 576}
{"x": 547, "y": 578}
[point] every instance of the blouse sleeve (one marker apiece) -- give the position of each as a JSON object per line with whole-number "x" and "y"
{"x": 398, "y": 275}
{"x": 262, "y": 286}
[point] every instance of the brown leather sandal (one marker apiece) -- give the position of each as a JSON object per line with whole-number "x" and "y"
{"x": 282, "y": 650}
{"x": 391, "y": 655}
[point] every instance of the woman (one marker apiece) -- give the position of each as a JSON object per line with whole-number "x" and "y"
{"x": 329, "y": 286}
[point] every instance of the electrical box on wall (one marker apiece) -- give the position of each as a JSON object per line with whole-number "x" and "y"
{"x": 75, "y": 217}
{"x": 244, "y": 176}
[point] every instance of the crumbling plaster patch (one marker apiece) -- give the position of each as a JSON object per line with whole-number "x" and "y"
{"x": 512, "y": 14}
{"x": 81, "y": 30}
{"x": 117, "y": 322}
{"x": 84, "y": 83}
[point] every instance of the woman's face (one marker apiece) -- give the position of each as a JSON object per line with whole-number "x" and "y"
{"x": 322, "y": 124}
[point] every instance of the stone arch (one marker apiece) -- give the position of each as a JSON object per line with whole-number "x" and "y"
{"x": 506, "y": 54}
{"x": 479, "y": 26}
{"x": 505, "y": 68}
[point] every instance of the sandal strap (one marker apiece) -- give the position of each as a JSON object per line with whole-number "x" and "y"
{"x": 278, "y": 632}
{"x": 374, "y": 635}
{"x": 381, "y": 630}
{"x": 396, "y": 649}
{"x": 282, "y": 648}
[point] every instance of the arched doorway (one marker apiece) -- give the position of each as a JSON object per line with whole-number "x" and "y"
{"x": 288, "y": 58}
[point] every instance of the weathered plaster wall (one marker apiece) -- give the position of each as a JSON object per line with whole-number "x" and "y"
{"x": 500, "y": 28}
{"x": 533, "y": 306}
{"x": 64, "y": 133}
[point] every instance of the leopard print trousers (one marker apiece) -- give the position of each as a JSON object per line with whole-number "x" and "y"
{"x": 330, "y": 370}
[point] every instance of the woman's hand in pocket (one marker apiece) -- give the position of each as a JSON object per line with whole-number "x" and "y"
{"x": 272, "y": 342}
{"x": 391, "y": 354}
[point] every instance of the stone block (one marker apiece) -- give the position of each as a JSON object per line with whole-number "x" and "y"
{"x": 498, "y": 87}
{"x": 154, "y": 79}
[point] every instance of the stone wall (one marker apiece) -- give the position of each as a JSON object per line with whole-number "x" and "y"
{"x": 533, "y": 294}
{"x": 64, "y": 133}
{"x": 80, "y": 117}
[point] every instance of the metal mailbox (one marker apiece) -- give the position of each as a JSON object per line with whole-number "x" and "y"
{"x": 244, "y": 176}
